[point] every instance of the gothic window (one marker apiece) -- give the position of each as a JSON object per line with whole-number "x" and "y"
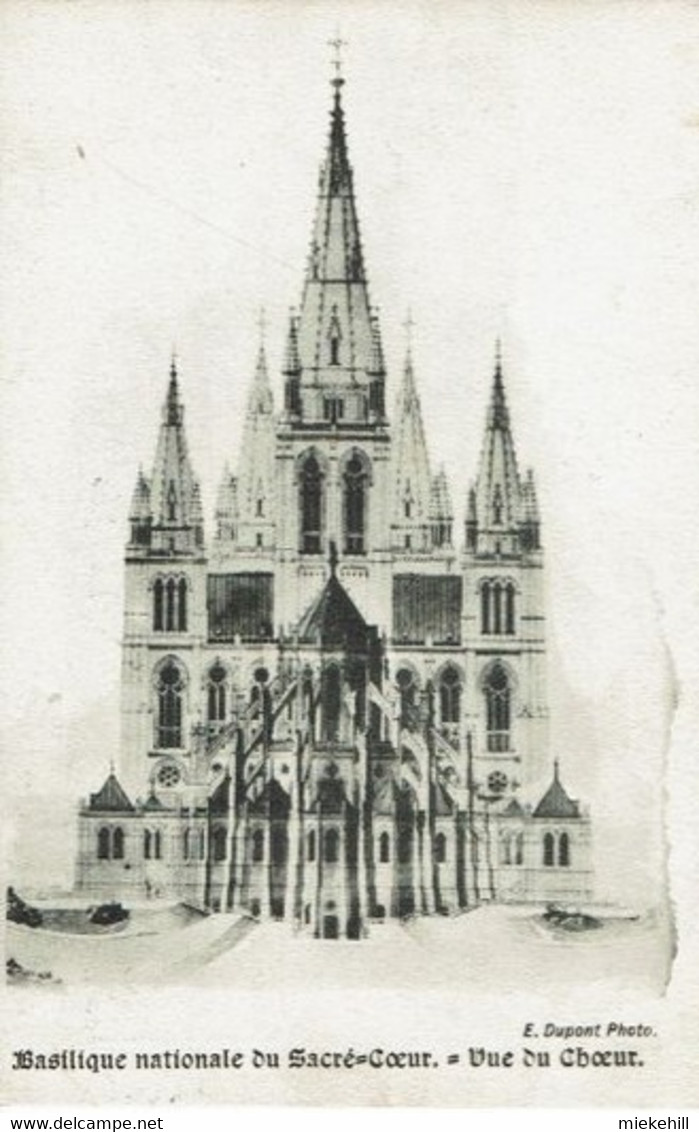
{"x": 355, "y": 506}
{"x": 170, "y": 690}
{"x": 258, "y": 846}
{"x": 440, "y": 848}
{"x": 278, "y": 845}
{"x": 182, "y": 605}
{"x": 450, "y": 696}
{"x": 407, "y": 692}
{"x": 564, "y": 851}
{"x": 170, "y": 603}
{"x": 497, "y": 607}
{"x": 506, "y": 850}
{"x": 519, "y": 849}
{"x": 118, "y": 843}
{"x": 498, "y": 702}
{"x": 405, "y": 846}
{"x": 497, "y": 506}
{"x": 311, "y": 846}
{"x": 548, "y": 850}
{"x": 384, "y": 848}
{"x": 171, "y": 502}
{"x": 260, "y": 508}
{"x": 311, "y": 506}
{"x": 169, "y": 776}
{"x": 331, "y": 846}
{"x": 219, "y": 843}
{"x": 104, "y": 844}
{"x": 331, "y": 698}
{"x": 158, "y": 621}
{"x": 147, "y": 844}
{"x": 216, "y": 697}
{"x": 187, "y": 844}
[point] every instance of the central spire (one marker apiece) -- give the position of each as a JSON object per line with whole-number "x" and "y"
{"x": 336, "y": 334}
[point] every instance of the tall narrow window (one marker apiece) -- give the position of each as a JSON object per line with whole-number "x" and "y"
{"x": 355, "y": 506}
{"x": 496, "y": 597}
{"x": 407, "y": 691}
{"x": 384, "y": 848}
{"x": 450, "y": 696}
{"x": 104, "y": 844}
{"x": 334, "y": 350}
{"x": 158, "y": 587}
{"x": 485, "y": 607}
{"x": 331, "y": 699}
{"x": 497, "y": 702}
{"x": 311, "y": 506}
{"x": 564, "y": 850}
{"x": 147, "y": 845}
{"x": 548, "y": 850}
{"x": 118, "y": 843}
{"x": 440, "y": 848}
{"x": 216, "y": 699}
{"x": 187, "y": 844}
{"x": 170, "y": 689}
{"x": 170, "y": 601}
{"x": 519, "y": 849}
{"x": 182, "y": 605}
{"x": 510, "y": 608}
{"x": 331, "y": 846}
{"x": 311, "y": 846}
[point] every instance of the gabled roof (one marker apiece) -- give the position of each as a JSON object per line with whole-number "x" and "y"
{"x": 111, "y": 798}
{"x": 513, "y": 809}
{"x": 555, "y": 802}
{"x": 153, "y": 803}
{"x": 333, "y": 620}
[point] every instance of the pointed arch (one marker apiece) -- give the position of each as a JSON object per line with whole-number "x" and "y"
{"x": 331, "y": 701}
{"x": 385, "y": 848}
{"x": 564, "y": 851}
{"x": 407, "y": 684}
{"x": 440, "y": 848}
{"x": 355, "y": 480}
{"x": 311, "y": 505}
{"x": 258, "y": 846}
{"x": 104, "y": 844}
{"x": 497, "y": 691}
{"x": 182, "y": 605}
{"x": 170, "y": 684}
{"x": 118, "y": 843}
{"x": 216, "y": 693}
{"x": 311, "y": 846}
{"x": 549, "y": 850}
{"x": 158, "y": 604}
{"x": 331, "y": 846}
{"x": 449, "y": 688}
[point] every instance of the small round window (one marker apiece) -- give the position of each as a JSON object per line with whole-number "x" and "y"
{"x": 497, "y": 782}
{"x": 168, "y": 775}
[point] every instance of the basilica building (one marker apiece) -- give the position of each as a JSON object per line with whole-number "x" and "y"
{"x": 334, "y": 705}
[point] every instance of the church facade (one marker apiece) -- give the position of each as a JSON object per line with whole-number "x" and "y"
{"x": 334, "y": 708}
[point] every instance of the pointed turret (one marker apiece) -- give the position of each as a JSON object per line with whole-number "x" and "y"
{"x": 530, "y": 526}
{"x": 335, "y": 337}
{"x": 175, "y": 502}
{"x": 139, "y": 514}
{"x": 411, "y": 471}
{"x": 292, "y": 368}
{"x": 498, "y": 490}
{"x": 255, "y": 480}
{"x": 442, "y": 512}
{"x": 226, "y": 514}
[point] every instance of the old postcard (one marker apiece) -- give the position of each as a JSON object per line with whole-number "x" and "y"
{"x": 350, "y": 558}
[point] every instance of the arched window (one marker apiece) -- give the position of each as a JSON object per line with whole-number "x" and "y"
{"x": 331, "y": 699}
{"x": 157, "y": 845}
{"x": 171, "y": 502}
{"x": 158, "y": 587}
{"x": 170, "y": 588}
{"x": 497, "y": 506}
{"x": 496, "y": 602}
{"x": 278, "y": 846}
{"x": 187, "y": 844}
{"x": 407, "y": 691}
{"x": 147, "y": 848}
{"x": 548, "y": 850}
{"x": 497, "y": 701}
{"x": 216, "y": 699}
{"x": 440, "y": 848}
{"x": 519, "y": 849}
{"x": 331, "y": 846}
{"x": 450, "y": 696}
{"x": 405, "y": 845}
{"x": 104, "y": 842}
{"x": 384, "y": 848}
{"x": 485, "y": 607}
{"x": 258, "y": 846}
{"x": 506, "y": 850}
{"x": 170, "y": 688}
{"x": 311, "y": 846}
{"x": 355, "y": 506}
{"x": 219, "y": 843}
{"x": 564, "y": 851}
{"x": 182, "y": 605}
{"x": 311, "y": 507}
{"x": 118, "y": 843}
{"x": 509, "y": 608}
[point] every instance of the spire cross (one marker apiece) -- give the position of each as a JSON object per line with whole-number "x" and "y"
{"x": 337, "y": 43}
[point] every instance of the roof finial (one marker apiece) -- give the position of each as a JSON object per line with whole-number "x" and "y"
{"x": 332, "y": 557}
{"x": 173, "y": 363}
{"x": 262, "y": 325}
{"x": 408, "y": 327}
{"x": 337, "y": 43}
{"x": 498, "y": 354}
